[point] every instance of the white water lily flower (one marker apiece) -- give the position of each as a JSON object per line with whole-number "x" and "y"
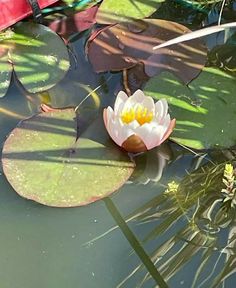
{"x": 137, "y": 123}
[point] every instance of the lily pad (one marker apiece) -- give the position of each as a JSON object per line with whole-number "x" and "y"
{"x": 205, "y": 109}
{"x": 38, "y": 56}
{"x": 6, "y": 70}
{"x": 75, "y": 23}
{"x": 44, "y": 162}
{"x": 224, "y": 56}
{"x": 113, "y": 11}
{"x": 124, "y": 45}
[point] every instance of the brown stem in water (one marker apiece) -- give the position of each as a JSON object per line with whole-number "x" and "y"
{"x": 125, "y": 82}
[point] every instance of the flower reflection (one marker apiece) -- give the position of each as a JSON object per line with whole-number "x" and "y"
{"x": 150, "y": 166}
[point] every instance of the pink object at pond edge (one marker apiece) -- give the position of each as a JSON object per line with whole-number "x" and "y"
{"x": 12, "y": 11}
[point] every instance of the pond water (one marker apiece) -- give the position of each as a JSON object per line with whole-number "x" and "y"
{"x": 118, "y": 241}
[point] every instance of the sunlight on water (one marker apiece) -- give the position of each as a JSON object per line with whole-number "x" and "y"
{"x": 168, "y": 214}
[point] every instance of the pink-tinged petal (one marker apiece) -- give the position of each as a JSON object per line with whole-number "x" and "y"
{"x": 111, "y": 123}
{"x": 118, "y": 131}
{"x": 165, "y": 123}
{"x": 161, "y": 110}
{"x": 105, "y": 117}
{"x": 49, "y": 108}
{"x": 112, "y": 129}
{"x": 108, "y": 114}
{"x": 120, "y": 101}
{"x": 169, "y": 130}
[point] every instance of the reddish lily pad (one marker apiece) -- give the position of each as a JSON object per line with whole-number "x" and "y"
{"x": 123, "y": 45}
{"x": 78, "y": 22}
{"x": 136, "y": 77}
{"x": 43, "y": 161}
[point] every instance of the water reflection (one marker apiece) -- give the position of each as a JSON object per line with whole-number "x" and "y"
{"x": 150, "y": 165}
{"x": 185, "y": 230}
{"x": 189, "y": 226}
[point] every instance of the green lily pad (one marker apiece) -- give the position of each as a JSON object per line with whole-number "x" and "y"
{"x": 44, "y": 162}
{"x": 113, "y": 11}
{"x": 6, "y": 70}
{"x": 38, "y": 56}
{"x": 205, "y": 110}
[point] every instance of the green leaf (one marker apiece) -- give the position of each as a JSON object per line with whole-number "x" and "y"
{"x": 43, "y": 161}
{"x": 205, "y": 109}
{"x": 6, "y": 70}
{"x": 113, "y": 11}
{"x": 39, "y": 56}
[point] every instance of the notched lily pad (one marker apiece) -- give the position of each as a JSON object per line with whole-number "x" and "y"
{"x": 205, "y": 109}
{"x": 43, "y": 161}
{"x": 113, "y": 11}
{"x": 121, "y": 46}
{"x": 38, "y": 56}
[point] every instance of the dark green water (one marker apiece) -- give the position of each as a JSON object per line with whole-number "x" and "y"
{"x": 117, "y": 241}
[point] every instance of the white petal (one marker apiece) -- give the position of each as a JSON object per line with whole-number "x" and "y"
{"x": 161, "y": 110}
{"x": 137, "y": 97}
{"x": 120, "y": 132}
{"x": 160, "y": 131}
{"x": 110, "y": 114}
{"x": 151, "y": 133}
{"x": 166, "y": 123}
{"x": 132, "y": 125}
{"x": 145, "y": 133}
{"x": 120, "y": 101}
{"x": 148, "y": 103}
{"x": 157, "y": 135}
{"x": 125, "y": 134}
{"x": 110, "y": 130}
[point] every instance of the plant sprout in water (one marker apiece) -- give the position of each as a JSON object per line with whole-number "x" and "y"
{"x": 230, "y": 184}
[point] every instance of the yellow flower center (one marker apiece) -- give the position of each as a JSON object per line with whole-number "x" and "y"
{"x": 138, "y": 113}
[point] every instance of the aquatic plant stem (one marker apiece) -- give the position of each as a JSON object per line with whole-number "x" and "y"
{"x": 221, "y": 12}
{"x": 134, "y": 242}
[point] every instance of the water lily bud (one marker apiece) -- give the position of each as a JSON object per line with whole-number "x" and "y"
{"x": 137, "y": 123}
